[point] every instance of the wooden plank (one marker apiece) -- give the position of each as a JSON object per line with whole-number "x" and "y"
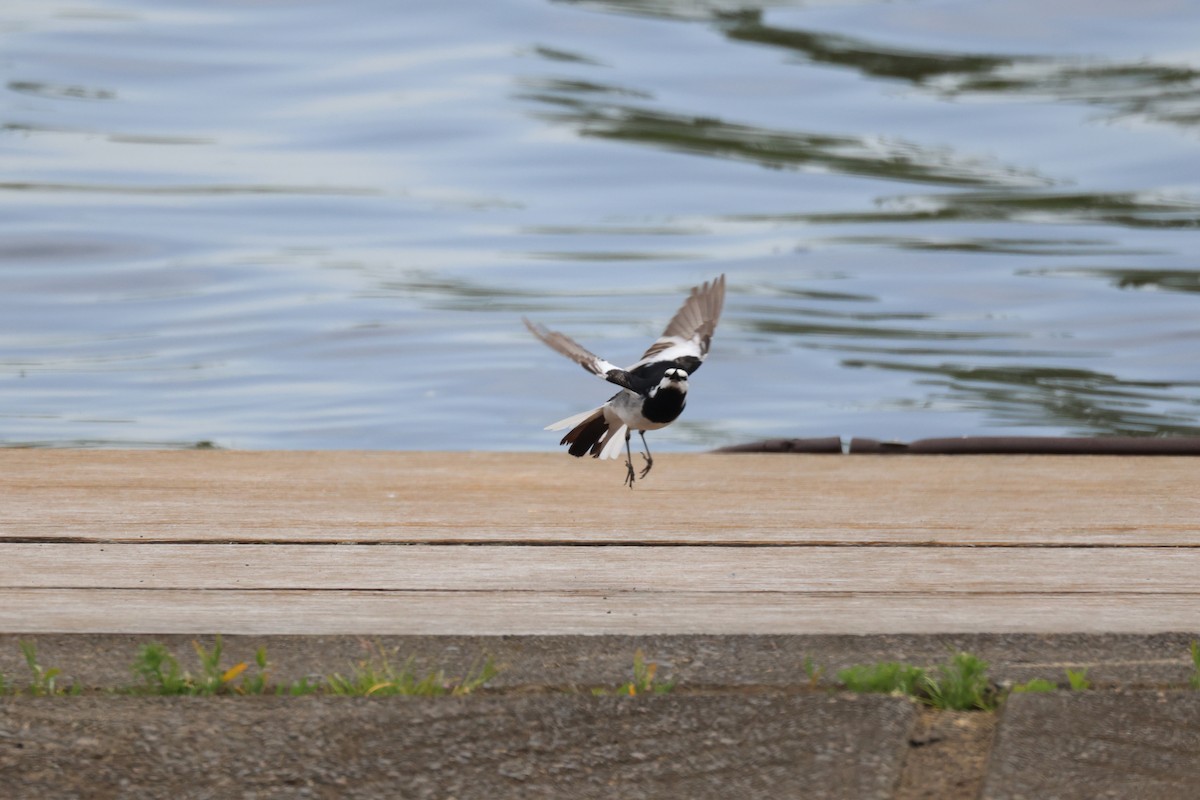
{"x": 548, "y": 497}
{"x": 644, "y": 569}
{"x": 157, "y": 611}
{"x": 191, "y": 542}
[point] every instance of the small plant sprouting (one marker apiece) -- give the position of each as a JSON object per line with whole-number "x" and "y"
{"x": 258, "y": 683}
{"x": 161, "y": 674}
{"x": 159, "y": 671}
{"x": 42, "y": 682}
{"x": 643, "y": 679}
{"x": 961, "y": 684}
{"x": 886, "y": 677}
{"x": 1078, "y": 680}
{"x": 813, "y": 672}
{"x": 377, "y": 676}
{"x": 299, "y": 688}
{"x": 1035, "y": 685}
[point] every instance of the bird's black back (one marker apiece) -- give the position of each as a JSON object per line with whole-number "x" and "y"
{"x": 644, "y": 378}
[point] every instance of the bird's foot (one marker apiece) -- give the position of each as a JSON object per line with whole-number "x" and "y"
{"x": 649, "y": 464}
{"x": 629, "y": 475}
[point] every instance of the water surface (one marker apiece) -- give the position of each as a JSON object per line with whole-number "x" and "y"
{"x": 314, "y": 225}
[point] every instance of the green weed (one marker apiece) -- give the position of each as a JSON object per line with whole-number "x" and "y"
{"x": 1194, "y": 678}
{"x": 159, "y": 671}
{"x": 161, "y": 674}
{"x": 299, "y": 688}
{"x": 960, "y": 684}
{"x": 1078, "y": 680}
{"x": 886, "y": 677}
{"x": 643, "y": 679}
{"x": 377, "y": 676}
{"x": 813, "y": 672}
{"x": 43, "y": 682}
{"x": 1035, "y": 685}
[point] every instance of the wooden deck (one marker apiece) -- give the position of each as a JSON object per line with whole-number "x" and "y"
{"x": 432, "y": 543}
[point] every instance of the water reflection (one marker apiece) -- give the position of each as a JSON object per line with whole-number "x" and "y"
{"x": 869, "y": 58}
{"x": 56, "y": 91}
{"x": 1165, "y": 93}
{"x": 995, "y": 245}
{"x": 876, "y": 157}
{"x": 1082, "y": 401}
{"x": 1159, "y": 92}
{"x": 1123, "y": 209}
{"x": 1167, "y": 280}
{"x": 297, "y": 227}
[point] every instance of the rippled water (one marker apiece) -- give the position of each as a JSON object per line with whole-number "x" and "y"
{"x": 310, "y": 224}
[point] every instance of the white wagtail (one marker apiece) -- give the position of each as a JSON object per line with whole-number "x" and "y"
{"x": 653, "y": 391}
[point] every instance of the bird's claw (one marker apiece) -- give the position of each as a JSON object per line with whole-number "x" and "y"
{"x": 630, "y": 475}
{"x": 649, "y": 464}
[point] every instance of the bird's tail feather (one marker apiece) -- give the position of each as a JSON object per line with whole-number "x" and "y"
{"x": 572, "y": 421}
{"x": 591, "y": 433}
{"x": 611, "y": 446}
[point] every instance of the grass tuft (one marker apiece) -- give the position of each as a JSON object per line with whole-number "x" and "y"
{"x": 813, "y": 672}
{"x": 961, "y": 684}
{"x": 43, "y": 682}
{"x": 161, "y": 674}
{"x": 159, "y": 671}
{"x": 378, "y": 677}
{"x": 887, "y": 677}
{"x": 1078, "y": 680}
{"x": 1035, "y": 685}
{"x": 643, "y": 681}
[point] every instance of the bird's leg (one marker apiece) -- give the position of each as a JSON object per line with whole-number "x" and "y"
{"x": 649, "y": 458}
{"x": 628, "y": 460}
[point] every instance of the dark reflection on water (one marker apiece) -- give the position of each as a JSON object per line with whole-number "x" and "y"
{"x": 870, "y": 58}
{"x": 68, "y": 92}
{"x": 1081, "y": 401}
{"x": 1126, "y": 209}
{"x": 778, "y": 149}
{"x": 1161, "y": 92}
{"x": 1027, "y": 247}
{"x": 283, "y": 225}
{"x": 1169, "y": 280}
{"x": 1168, "y": 93}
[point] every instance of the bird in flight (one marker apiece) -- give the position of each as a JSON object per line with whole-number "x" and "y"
{"x": 653, "y": 391}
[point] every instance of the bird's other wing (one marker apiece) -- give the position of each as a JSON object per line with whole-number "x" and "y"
{"x": 579, "y": 354}
{"x": 690, "y": 331}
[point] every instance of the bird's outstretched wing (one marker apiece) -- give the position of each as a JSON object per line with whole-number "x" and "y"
{"x": 689, "y": 333}
{"x": 579, "y": 354}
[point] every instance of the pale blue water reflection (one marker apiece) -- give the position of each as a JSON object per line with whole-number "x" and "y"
{"x": 303, "y": 224}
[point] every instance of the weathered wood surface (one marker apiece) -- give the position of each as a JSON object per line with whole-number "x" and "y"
{"x": 387, "y": 543}
{"x": 139, "y": 496}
